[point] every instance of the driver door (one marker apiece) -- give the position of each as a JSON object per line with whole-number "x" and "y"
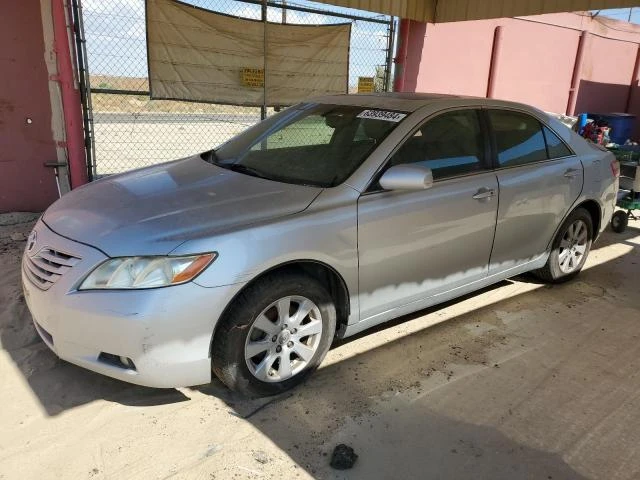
{"x": 415, "y": 246}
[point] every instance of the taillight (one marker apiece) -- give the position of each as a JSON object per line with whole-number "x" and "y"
{"x": 615, "y": 168}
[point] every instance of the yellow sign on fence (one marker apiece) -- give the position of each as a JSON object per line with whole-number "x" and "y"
{"x": 252, "y": 77}
{"x": 365, "y": 84}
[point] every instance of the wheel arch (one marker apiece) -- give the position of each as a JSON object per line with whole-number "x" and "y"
{"x": 595, "y": 211}
{"x": 324, "y": 273}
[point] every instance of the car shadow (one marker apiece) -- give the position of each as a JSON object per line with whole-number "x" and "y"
{"x": 609, "y": 237}
{"x": 418, "y": 407}
{"x": 381, "y": 408}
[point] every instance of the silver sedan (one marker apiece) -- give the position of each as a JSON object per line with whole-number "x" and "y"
{"x": 323, "y": 220}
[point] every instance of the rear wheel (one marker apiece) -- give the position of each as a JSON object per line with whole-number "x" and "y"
{"x": 274, "y": 335}
{"x": 619, "y": 221}
{"x": 569, "y": 249}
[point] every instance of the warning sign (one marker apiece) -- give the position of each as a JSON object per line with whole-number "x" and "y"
{"x": 252, "y": 77}
{"x": 365, "y": 84}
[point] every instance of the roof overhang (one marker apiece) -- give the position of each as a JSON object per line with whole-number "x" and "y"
{"x": 435, "y": 11}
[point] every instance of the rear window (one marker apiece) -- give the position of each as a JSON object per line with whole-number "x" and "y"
{"x": 555, "y": 146}
{"x": 519, "y": 138}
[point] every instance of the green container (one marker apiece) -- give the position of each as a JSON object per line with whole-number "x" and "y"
{"x": 626, "y": 155}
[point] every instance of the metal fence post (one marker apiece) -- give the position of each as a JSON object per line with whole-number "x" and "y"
{"x": 263, "y": 109}
{"x": 83, "y": 83}
{"x": 389, "y": 59}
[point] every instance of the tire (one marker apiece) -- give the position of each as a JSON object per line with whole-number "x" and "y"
{"x": 241, "y": 334}
{"x": 565, "y": 260}
{"x": 619, "y": 221}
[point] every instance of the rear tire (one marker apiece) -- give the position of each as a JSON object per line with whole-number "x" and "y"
{"x": 619, "y": 221}
{"x": 260, "y": 348}
{"x": 569, "y": 249}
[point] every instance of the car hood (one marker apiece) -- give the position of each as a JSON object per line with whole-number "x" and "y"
{"x": 153, "y": 210}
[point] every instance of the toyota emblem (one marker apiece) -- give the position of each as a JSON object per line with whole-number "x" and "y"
{"x": 31, "y": 242}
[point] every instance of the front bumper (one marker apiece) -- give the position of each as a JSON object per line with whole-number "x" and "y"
{"x": 165, "y": 332}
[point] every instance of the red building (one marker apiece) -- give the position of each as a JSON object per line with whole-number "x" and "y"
{"x": 40, "y": 108}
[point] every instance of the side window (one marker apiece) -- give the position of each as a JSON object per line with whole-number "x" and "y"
{"x": 555, "y": 146}
{"x": 450, "y": 144}
{"x": 519, "y": 138}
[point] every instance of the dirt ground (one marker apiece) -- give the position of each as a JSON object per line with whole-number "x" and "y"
{"x": 522, "y": 381}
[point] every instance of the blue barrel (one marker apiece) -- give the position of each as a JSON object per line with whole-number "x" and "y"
{"x": 582, "y": 122}
{"x": 621, "y": 124}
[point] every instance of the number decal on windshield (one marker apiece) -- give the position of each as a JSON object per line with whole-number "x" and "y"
{"x": 382, "y": 115}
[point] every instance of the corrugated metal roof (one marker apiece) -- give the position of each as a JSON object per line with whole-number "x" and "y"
{"x": 458, "y": 10}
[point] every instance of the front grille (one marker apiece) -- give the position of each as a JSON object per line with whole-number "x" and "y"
{"x": 47, "y": 266}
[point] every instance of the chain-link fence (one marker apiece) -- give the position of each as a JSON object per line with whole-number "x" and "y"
{"x": 130, "y": 130}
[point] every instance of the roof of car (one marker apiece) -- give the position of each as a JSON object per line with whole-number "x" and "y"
{"x": 409, "y": 102}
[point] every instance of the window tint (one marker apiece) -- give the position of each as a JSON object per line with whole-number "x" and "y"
{"x": 555, "y": 147}
{"x": 450, "y": 144}
{"x": 519, "y": 138}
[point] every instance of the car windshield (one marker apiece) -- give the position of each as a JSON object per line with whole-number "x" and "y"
{"x": 308, "y": 144}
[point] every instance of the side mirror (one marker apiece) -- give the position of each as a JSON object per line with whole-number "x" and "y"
{"x": 407, "y": 177}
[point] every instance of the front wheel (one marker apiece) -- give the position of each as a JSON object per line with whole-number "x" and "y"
{"x": 274, "y": 335}
{"x": 569, "y": 249}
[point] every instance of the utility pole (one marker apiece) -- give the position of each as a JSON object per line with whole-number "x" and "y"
{"x": 630, "y": 12}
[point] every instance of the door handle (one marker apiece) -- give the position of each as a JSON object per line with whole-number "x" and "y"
{"x": 484, "y": 193}
{"x": 571, "y": 173}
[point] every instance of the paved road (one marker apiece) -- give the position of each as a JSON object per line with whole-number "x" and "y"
{"x": 123, "y": 117}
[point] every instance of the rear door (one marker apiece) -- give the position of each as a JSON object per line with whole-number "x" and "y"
{"x": 539, "y": 179}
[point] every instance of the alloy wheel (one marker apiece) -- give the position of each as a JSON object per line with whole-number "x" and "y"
{"x": 283, "y": 339}
{"x": 573, "y": 247}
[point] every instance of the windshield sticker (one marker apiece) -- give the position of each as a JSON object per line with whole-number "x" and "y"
{"x": 382, "y": 115}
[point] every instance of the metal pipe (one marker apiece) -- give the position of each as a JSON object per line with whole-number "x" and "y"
{"x": 113, "y": 91}
{"x": 329, "y": 13}
{"x": 577, "y": 72}
{"x": 85, "y": 88}
{"x": 263, "y": 108}
{"x": 389, "y": 60}
{"x": 634, "y": 81}
{"x": 495, "y": 62}
{"x": 71, "y": 102}
{"x": 401, "y": 57}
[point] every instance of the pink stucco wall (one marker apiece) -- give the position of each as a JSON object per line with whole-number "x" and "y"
{"x": 606, "y": 74}
{"x": 536, "y": 64}
{"x": 535, "y": 61}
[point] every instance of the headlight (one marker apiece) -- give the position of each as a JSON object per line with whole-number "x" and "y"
{"x": 146, "y": 272}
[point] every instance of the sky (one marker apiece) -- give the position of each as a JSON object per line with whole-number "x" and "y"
{"x": 622, "y": 14}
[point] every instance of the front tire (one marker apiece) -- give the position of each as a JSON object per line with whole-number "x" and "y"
{"x": 569, "y": 249}
{"x": 274, "y": 335}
